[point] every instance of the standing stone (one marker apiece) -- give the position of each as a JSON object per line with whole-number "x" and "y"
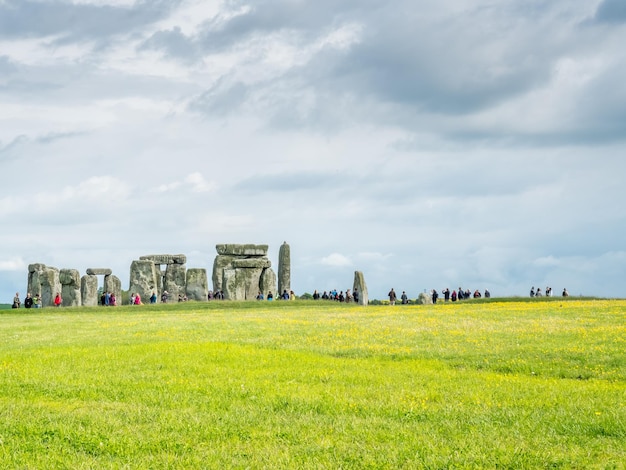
{"x": 113, "y": 285}
{"x": 267, "y": 283}
{"x": 233, "y": 290}
{"x": 359, "y": 284}
{"x": 143, "y": 279}
{"x": 174, "y": 281}
{"x": 70, "y": 290}
{"x": 197, "y": 284}
{"x": 284, "y": 268}
{"x": 221, "y": 262}
{"x": 89, "y": 290}
{"x": 50, "y": 286}
{"x": 34, "y": 278}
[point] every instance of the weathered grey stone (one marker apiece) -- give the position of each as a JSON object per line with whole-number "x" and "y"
{"x": 143, "y": 278}
{"x": 233, "y": 290}
{"x": 360, "y": 287}
{"x": 36, "y": 267}
{"x": 70, "y": 290}
{"x": 284, "y": 268}
{"x": 99, "y": 271}
{"x": 197, "y": 284}
{"x": 34, "y": 280}
{"x": 261, "y": 263}
{"x": 174, "y": 281}
{"x": 113, "y": 285}
{"x": 267, "y": 283}
{"x": 50, "y": 285}
{"x": 165, "y": 259}
{"x": 219, "y": 264}
{"x": 89, "y": 290}
{"x": 241, "y": 250}
{"x": 424, "y": 299}
{"x": 241, "y": 284}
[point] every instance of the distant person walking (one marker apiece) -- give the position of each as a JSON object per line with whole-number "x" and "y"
{"x": 392, "y": 297}
{"x": 404, "y": 298}
{"x": 565, "y": 293}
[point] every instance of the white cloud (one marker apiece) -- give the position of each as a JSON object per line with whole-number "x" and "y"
{"x": 336, "y": 260}
{"x": 12, "y": 264}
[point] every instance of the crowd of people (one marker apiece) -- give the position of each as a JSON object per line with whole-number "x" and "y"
{"x": 548, "y": 292}
{"x": 338, "y": 296}
{"x": 448, "y": 296}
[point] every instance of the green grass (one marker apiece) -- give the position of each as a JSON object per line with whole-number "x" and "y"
{"x": 515, "y": 384}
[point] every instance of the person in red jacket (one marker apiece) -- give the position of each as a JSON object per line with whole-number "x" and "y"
{"x": 58, "y": 300}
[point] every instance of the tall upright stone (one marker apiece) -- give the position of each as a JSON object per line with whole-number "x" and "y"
{"x": 34, "y": 278}
{"x": 233, "y": 287}
{"x": 50, "y": 286}
{"x": 113, "y": 285}
{"x": 174, "y": 281}
{"x": 143, "y": 278}
{"x": 360, "y": 286}
{"x": 268, "y": 282}
{"x": 197, "y": 284}
{"x": 89, "y": 290}
{"x": 284, "y": 268}
{"x": 70, "y": 287}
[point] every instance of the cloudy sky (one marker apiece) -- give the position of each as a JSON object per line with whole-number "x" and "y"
{"x": 428, "y": 144}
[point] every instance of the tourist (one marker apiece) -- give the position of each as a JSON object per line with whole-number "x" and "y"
{"x": 548, "y": 291}
{"x": 132, "y": 299}
{"x": 446, "y": 294}
{"x": 164, "y": 297}
{"x": 404, "y": 298}
{"x": 325, "y": 296}
{"x": 538, "y": 293}
{"x": 532, "y": 291}
{"x": 487, "y": 294}
{"x": 285, "y": 295}
{"x": 355, "y": 295}
{"x": 565, "y": 293}
{"x": 112, "y": 300}
{"x": 153, "y": 298}
{"x": 316, "y": 295}
{"x": 453, "y": 296}
{"x": 58, "y": 300}
{"x": 435, "y": 296}
{"x": 292, "y": 295}
{"x": 348, "y": 296}
{"x": 392, "y": 297}
{"x": 341, "y": 298}
{"x": 270, "y": 296}
{"x": 477, "y": 294}
{"x": 38, "y": 301}
{"x": 28, "y": 301}
{"x": 259, "y": 296}
{"x": 16, "y": 301}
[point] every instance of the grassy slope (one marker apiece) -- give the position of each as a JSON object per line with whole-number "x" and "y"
{"x": 317, "y": 385}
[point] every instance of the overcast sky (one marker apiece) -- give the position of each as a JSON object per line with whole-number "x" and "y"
{"x": 428, "y": 144}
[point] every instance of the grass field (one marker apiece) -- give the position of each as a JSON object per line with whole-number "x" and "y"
{"x": 517, "y": 384}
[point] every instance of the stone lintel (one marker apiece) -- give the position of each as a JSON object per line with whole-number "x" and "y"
{"x": 99, "y": 271}
{"x": 241, "y": 250}
{"x": 165, "y": 259}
